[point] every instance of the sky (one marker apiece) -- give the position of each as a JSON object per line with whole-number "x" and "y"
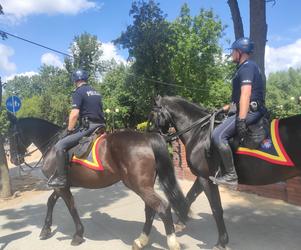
{"x": 55, "y": 23}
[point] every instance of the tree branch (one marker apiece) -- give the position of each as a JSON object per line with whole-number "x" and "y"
{"x": 237, "y": 21}
{"x": 273, "y": 1}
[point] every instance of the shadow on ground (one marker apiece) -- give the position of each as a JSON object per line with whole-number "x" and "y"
{"x": 5, "y": 240}
{"x": 96, "y": 223}
{"x": 266, "y": 224}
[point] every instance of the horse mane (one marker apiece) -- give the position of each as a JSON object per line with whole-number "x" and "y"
{"x": 38, "y": 120}
{"x": 193, "y": 107}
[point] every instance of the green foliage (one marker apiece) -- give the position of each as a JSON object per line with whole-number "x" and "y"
{"x": 86, "y": 54}
{"x": 284, "y": 92}
{"x": 197, "y": 57}
{"x": 148, "y": 40}
{"x": 31, "y": 107}
{"x": 185, "y": 52}
{"x": 24, "y": 86}
{"x": 3, "y": 121}
{"x": 142, "y": 126}
{"x": 116, "y": 96}
{"x": 46, "y": 95}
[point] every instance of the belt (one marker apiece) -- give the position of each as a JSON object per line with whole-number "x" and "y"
{"x": 93, "y": 120}
{"x": 254, "y": 105}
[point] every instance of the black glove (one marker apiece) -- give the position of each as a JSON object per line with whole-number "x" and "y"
{"x": 69, "y": 132}
{"x": 232, "y": 110}
{"x": 241, "y": 128}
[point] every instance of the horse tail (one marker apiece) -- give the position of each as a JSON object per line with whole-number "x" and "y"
{"x": 167, "y": 178}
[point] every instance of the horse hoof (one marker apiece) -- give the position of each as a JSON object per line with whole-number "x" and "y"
{"x": 179, "y": 227}
{"x": 220, "y": 248}
{"x": 140, "y": 242}
{"x": 45, "y": 234}
{"x": 172, "y": 242}
{"x": 77, "y": 240}
{"x": 175, "y": 247}
{"x": 135, "y": 246}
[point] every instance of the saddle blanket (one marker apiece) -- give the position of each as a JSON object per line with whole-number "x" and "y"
{"x": 271, "y": 149}
{"x": 93, "y": 159}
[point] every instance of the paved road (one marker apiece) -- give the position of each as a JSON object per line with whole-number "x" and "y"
{"x": 113, "y": 217}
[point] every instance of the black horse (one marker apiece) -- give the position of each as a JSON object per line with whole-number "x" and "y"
{"x": 192, "y": 123}
{"x": 131, "y": 157}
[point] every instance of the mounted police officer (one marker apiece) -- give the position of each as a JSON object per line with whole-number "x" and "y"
{"x": 248, "y": 98}
{"x": 87, "y": 108}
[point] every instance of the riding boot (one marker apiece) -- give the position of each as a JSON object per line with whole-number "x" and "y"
{"x": 230, "y": 177}
{"x": 59, "y": 179}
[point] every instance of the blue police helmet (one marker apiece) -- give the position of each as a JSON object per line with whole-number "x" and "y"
{"x": 79, "y": 75}
{"x": 243, "y": 44}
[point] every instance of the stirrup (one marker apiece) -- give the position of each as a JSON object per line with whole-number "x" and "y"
{"x": 233, "y": 185}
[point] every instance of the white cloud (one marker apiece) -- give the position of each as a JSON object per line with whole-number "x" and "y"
{"x": 15, "y": 10}
{"x": 51, "y": 59}
{"x": 5, "y": 64}
{"x": 282, "y": 58}
{"x": 11, "y": 77}
{"x": 110, "y": 52}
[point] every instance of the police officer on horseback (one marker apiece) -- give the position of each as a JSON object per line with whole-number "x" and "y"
{"x": 248, "y": 98}
{"x": 88, "y": 109}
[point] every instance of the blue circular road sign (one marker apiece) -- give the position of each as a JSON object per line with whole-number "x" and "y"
{"x": 13, "y": 103}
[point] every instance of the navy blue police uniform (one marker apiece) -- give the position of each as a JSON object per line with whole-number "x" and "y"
{"x": 247, "y": 73}
{"x": 89, "y": 103}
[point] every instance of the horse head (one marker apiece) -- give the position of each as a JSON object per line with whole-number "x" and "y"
{"x": 160, "y": 117}
{"x": 17, "y": 145}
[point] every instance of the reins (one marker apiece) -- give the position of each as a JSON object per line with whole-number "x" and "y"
{"x": 46, "y": 145}
{"x": 208, "y": 119}
{"x": 203, "y": 121}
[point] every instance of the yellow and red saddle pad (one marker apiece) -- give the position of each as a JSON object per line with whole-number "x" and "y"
{"x": 271, "y": 149}
{"x": 93, "y": 160}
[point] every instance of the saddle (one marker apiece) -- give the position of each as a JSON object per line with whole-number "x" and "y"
{"x": 257, "y": 133}
{"x": 83, "y": 148}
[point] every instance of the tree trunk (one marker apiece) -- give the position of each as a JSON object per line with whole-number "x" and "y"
{"x": 237, "y": 22}
{"x": 5, "y": 180}
{"x": 258, "y": 32}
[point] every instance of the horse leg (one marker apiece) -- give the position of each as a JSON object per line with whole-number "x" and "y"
{"x": 46, "y": 230}
{"x": 143, "y": 239}
{"x": 213, "y": 196}
{"x": 191, "y": 196}
{"x": 69, "y": 201}
{"x": 154, "y": 201}
{"x": 194, "y": 192}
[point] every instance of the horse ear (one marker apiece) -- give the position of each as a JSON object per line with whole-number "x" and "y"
{"x": 158, "y": 99}
{"x": 11, "y": 117}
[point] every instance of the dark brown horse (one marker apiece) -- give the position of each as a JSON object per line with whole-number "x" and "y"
{"x": 131, "y": 157}
{"x": 191, "y": 122}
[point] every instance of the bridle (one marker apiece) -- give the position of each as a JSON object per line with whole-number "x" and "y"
{"x": 17, "y": 137}
{"x": 202, "y": 122}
